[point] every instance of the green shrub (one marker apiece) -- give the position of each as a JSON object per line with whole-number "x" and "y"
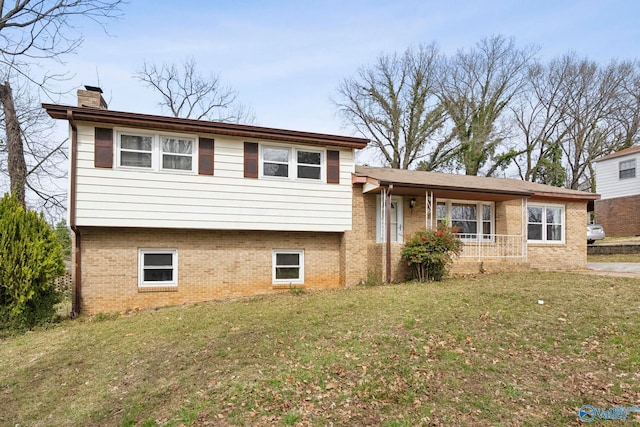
{"x": 63, "y": 235}
{"x": 428, "y": 253}
{"x": 31, "y": 260}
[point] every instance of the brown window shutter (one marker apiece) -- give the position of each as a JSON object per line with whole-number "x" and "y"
{"x": 205, "y": 156}
{"x": 333, "y": 167}
{"x": 251, "y": 159}
{"x": 103, "y": 155}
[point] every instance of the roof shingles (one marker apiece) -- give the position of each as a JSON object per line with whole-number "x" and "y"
{"x": 453, "y": 182}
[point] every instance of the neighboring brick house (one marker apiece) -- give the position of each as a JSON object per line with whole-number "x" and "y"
{"x": 168, "y": 211}
{"x": 618, "y": 182}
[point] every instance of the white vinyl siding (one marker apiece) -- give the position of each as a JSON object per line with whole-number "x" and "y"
{"x": 608, "y": 177}
{"x": 131, "y": 197}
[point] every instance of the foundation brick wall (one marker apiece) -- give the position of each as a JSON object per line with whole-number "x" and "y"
{"x": 211, "y": 265}
{"x": 619, "y": 216}
{"x": 572, "y": 255}
{"x": 358, "y": 242}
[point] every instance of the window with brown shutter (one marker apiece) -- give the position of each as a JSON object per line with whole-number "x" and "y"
{"x": 251, "y": 159}
{"x": 103, "y": 154}
{"x": 205, "y": 156}
{"x": 333, "y": 167}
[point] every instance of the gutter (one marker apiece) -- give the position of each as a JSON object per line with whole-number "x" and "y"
{"x": 77, "y": 282}
{"x": 122, "y": 118}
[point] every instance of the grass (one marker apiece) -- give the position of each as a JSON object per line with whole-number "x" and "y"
{"x": 476, "y": 351}
{"x": 621, "y": 239}
{"x": 614, "y": 258}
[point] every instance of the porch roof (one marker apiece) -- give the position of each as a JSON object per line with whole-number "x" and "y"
{"x": 376, "y": 177}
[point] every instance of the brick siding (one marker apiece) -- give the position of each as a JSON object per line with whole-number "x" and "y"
{"x": 211, "y": 265}
{"x": 572, "y": 255}
{"x": 370, "y": 260}
{"x": 619, "y": 216}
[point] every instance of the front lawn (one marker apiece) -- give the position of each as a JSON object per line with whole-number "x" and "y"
{"x": 476, "y": 351}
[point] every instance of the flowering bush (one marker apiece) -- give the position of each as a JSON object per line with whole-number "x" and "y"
{"x": 428, "y": 252}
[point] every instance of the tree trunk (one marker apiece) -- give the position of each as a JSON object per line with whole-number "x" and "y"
{"x": 16, "y": 163}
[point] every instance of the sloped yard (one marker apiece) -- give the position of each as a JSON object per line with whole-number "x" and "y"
{"x": 478, "y": 351}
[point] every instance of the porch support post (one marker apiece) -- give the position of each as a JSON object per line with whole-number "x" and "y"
{"x": 525, "y": 228}
{"x": 428, "y": 196}
{"x": 387, "y": 207}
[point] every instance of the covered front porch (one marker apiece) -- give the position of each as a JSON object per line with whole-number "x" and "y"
{"x": 490, "y": 222}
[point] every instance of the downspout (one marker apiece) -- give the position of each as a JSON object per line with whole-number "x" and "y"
{"x": 77, "y": 283}
{"x": 387, "y": 207}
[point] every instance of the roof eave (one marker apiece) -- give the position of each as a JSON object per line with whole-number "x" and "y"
{"x": 586, "y": 196}
{"x": 199, "y": 126}
{"x": 457, "y": 189}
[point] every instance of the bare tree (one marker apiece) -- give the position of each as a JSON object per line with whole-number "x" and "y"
{"x": 538, "y": 114}
{"x": 41, "y": 160}
{"x": 573, "y": 112}
{"x": 476, "y": 88}
{"x": 30, "y": 31}
{"x": 393, "y": 103}
{"x": 186, "y": 93}
{"x": 15, "y": 152}
{"x": 596, "y": 114}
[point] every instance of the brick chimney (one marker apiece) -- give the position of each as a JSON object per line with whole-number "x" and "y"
{"x": 91, "y": 97}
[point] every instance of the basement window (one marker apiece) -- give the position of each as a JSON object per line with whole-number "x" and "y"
{"x": 157, "y": 267}
{"x": 288, "y": 267}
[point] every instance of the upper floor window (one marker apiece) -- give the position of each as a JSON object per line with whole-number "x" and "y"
{"x": 275, "y": 161}
{"x": 155, "y": 151}
{"x": 627, "y": 169}
{"x": 309, "y": 164}
{"x": 545, "y": 223}
{"x": 136, "y": 151}
{"x": 291, "y": 163}
{"x": 470, "y": 220}
{"x": 177, "y": 153}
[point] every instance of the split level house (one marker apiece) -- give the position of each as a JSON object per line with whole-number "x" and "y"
{"x": 619, "y": 184}
{"x": 166, "y": 211}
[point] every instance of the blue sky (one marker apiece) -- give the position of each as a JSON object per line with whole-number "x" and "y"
{"x": 286, "y": 58}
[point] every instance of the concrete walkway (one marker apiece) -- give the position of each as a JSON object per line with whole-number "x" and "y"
{"x": 623, "y": 269}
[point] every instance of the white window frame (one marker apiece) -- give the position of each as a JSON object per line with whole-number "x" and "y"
{"x": 156, "y": 151}
{"x": 479, "y": 236}
{"x": 292, "y": 163}
{"x": 156, "y": 284}
{"x": 300, "y": 266}
{"x": 118, "y": 146}
{"x": 563, "y": 224}
{"x": 161, "y": 152}
{"x": 381, "y": 232}
{"x": 625, "y": 166}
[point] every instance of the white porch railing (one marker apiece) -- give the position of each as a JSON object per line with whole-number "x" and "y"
{"x": 492, "y": 246}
